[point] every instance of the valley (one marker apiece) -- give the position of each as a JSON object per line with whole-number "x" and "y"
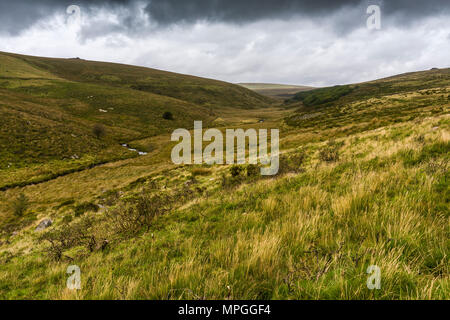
{"x": 363, "y": 181}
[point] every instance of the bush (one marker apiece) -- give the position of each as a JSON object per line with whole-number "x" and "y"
{"x": 293, "y": 163}
{"x": 85, "y": 207}
{"x": 236, "y": 171}
{"x": 168, "y": 115}
{"x": 69, "y": 236}
{"x": 252, "y": 170}
{"x": 99, "y": 131}
{"x": 20, "y": 205}
{"x": 330, "y": 153}
{"x": 131, "y": 218}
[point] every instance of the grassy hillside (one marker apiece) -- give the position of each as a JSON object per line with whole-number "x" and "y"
{"x": 363, "y": 181}
{"x": 275, "y": 91}
{"x": 49, "y": 107}
{"x": 373, "y": 104}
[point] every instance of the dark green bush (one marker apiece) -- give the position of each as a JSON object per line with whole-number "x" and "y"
{"x": 236, "y": 171}
{"x": 168, "y": 115}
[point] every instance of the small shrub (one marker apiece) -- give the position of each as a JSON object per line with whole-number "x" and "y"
{"x": 252, "y": 170}
{"x": 69, "y": 236}
{"x": 85, "y": 207}
{"x": 330, "y": 153}
{"x": 168, "y": 115}
{"x": 292, "y": 164}
{"x": 129, "y": 219}
{"x": 99, "y": 131}
{"x": 20, "y": 205}
{"x": 236, "y": 171}
{"x": 420, "y": 139}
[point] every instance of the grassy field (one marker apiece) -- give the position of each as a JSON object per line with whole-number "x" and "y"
{"x": 363, "y": 181}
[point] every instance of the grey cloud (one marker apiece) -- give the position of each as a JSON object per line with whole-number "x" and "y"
{"x": 19, "y": 15}
{"x": 240, "y": 11}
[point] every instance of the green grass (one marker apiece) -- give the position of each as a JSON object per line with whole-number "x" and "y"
{"x": 48, "y": 108}
{"x": 363, "y": 181}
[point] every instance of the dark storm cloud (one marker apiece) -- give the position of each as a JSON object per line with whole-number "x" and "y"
{"x": 16, "y": 16}
{"x": 173, "y": 11}
{"x": 19, "y": 15}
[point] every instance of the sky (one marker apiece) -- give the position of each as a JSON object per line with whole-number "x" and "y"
{"x": 304, "y": 42}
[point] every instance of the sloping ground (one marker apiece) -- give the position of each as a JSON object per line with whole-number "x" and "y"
{"x": 370, "y": 188}
{"x": 196, "y": 90}
{"x": 275, "y": 91}
{"x": 373, "y": 104}
{"x": 49, "y": 107}
{"x": 308, "y": 234}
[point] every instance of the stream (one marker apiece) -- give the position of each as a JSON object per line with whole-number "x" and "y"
{"x": 141, "y": 153}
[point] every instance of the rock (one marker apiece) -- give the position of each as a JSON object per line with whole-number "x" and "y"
{"x": 435, "y": 128}
{"x": 75, "y": 156}
{"x": 44, "y": 224}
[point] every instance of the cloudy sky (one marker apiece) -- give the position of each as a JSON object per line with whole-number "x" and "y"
{"x": 308, "y": 42}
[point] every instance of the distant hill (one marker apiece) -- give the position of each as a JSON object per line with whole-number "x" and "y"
{"x": 48, "y": 108}
{"x": 277, "y": 91}
{"x": 400, "y": 98}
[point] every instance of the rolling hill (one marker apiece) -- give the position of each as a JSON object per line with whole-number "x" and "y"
{"x": 363, "y": 181}
{"x": 48, "y": 108}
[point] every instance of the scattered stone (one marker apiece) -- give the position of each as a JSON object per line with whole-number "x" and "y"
{"x": 102, "y": 110}
{"x": 44, "y": 224}
{"x": 75, "y": 156}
